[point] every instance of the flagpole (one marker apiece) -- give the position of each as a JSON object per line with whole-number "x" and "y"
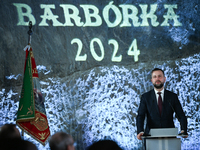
{"x": 27, "y": 112}
{"x": 30, "y": 32}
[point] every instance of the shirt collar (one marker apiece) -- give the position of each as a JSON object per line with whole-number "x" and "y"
{"x": 162, "y": 92}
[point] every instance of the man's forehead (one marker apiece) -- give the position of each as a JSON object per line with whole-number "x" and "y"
{"x": 157, "y": 72}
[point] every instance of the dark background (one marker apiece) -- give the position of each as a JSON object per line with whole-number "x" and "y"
{"x": 52, "y": 45}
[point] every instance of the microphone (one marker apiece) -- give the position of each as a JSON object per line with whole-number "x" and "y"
{"x": 176, "y": 115}
{"x": 174, "y": 111}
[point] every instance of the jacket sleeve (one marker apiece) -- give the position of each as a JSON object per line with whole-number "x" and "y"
{"x": 141, "y": 115}
{"x": 180, "y": 114}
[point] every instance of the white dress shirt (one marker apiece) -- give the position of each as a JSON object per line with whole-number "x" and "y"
{"x": 162, "y": 94}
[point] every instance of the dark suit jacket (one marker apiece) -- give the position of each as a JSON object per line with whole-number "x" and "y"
{"x": 149, "y": 108}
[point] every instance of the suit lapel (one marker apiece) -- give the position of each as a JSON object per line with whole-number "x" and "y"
{"x": 166, "y": 96}
{"x": 155, "y": 103}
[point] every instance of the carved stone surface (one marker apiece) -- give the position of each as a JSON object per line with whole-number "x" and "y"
{"x": 98, "y": 98}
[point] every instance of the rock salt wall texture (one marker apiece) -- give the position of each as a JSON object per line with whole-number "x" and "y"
{"x": 92, "y": 99}
{"x": 103, "y": 102}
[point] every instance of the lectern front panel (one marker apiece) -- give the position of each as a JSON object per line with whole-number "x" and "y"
{"x": 163, "y": 144}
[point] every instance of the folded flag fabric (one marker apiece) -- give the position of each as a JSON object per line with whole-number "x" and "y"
{"x": 31, "y": 115}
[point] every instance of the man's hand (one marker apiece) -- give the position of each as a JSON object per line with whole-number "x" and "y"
{"x": 139, "y": 135}
{"x": 183, "y": 134}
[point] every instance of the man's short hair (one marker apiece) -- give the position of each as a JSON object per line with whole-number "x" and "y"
{"x": 16, "y": 144}
{"x": 60, "y": 141}
{"x": 157, "y": 69}
{"x": 104, "y": 145}
{"x": 9, "y": 131}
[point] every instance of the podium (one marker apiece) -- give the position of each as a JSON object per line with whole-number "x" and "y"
{"x": 162, "y": 139}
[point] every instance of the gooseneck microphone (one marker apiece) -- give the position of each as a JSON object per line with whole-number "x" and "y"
{"x": 174, "y": 111}
{"x": 176, "y": 115}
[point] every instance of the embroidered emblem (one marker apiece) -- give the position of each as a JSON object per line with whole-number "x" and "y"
{"x": 40, "y": 122}
{"x": 21, "y": 108}
{"x": 42, "y": 136}
{"x": 30, "y": 111}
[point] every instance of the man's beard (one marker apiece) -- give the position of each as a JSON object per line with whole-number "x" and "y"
{"x": 158, "y": 86}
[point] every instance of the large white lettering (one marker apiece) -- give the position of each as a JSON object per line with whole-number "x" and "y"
{"x": 48, "y": 15}
{"x": 171, "y": 15}
{"x": 111, "y": 14}
{"x": 150, "y": 15}
{"x": 22, "y": 14}
{"x": 126, "y": 16}
{"x": 89, "y": 16}
{"x": 73, "y": 15}
{"x": 117, "y": 15}
{"x": 132, "y": 51}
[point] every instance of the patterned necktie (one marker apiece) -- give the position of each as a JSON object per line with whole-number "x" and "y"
{"x": 159, "y": 102}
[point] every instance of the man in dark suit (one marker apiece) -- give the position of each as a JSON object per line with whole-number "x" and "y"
{"x": 159, "y": 105}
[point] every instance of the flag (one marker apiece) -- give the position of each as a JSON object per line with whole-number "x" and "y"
{"x": 31, "y": 114}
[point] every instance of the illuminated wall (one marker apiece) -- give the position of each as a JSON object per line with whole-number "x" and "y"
{"x": 103, "y": 102}
{"x": 94, "y": 66}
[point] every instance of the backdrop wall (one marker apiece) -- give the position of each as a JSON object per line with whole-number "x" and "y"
{"x": 94, "y": 60}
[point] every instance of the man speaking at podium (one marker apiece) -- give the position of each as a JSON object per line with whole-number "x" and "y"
{"x": 159, "y": 105}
